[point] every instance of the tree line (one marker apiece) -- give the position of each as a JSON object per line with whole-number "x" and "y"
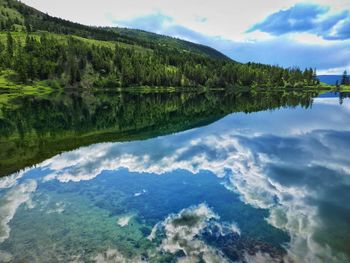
{"x": 75, "y": 62}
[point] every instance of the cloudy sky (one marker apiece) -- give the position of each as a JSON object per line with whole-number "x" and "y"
{"x": 285, "y": 32}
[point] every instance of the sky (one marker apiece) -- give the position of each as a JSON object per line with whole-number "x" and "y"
{"x": 310, "y": 33}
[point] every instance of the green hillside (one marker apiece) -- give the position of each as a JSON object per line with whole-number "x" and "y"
{"x": 16, "y": 15}
{"x": 36, "y": 47}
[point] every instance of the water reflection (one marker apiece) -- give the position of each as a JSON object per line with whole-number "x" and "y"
{"x": 269, "y": 186}
{"x": 34, "y": 129}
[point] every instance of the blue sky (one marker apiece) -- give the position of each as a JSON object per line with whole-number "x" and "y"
{"x": 288, "y": 33}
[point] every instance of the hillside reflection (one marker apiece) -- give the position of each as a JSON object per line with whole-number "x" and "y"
{"x": 34, "y": 129}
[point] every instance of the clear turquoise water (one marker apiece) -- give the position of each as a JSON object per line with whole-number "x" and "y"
{"x": 271, "y": 186}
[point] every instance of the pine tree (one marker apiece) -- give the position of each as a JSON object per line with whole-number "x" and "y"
{"x": 314, "y": 77}
{"x": 345, "y": 78}
{"x": 10, "y": 44}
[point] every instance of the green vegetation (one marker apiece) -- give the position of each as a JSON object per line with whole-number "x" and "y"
{"x": 345, "y": 88}
{"x": 40, "y": 47}
{"x": 10, "y": 89}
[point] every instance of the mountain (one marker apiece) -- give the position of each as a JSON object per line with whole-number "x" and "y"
{"x": 152, "y": 39}
{"x": 36, "y": 47}
{"x": 17, "y": 13}
{"x": 330, "y": 79}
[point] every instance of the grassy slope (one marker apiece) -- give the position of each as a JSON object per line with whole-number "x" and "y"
{"x": 327, "y": 87}
{"x": 345, "y": 88}
{"x": 10, "y": 89}
{"x": 21, "y": 36}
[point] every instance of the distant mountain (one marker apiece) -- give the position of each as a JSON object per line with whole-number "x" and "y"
{"x": 330, "y": 79}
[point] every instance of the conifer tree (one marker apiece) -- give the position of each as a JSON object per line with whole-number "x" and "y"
{"x": 345, "y": 78}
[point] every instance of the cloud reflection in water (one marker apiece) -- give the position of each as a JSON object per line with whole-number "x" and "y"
{"x": 302, "y": 176}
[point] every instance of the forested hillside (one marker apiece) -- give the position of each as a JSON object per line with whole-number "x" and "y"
{"x": 35, "y": 46}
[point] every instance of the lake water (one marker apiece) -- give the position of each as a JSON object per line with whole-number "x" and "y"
{"x": 176, "y": 177}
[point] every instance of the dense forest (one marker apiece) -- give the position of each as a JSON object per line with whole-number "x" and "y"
{"x": 36, "y": 46}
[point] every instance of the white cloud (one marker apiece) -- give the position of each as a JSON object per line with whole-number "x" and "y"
{"x": 11, "y": 180}
{"x": 182, "y": 233}
{"x": 334, "y": 71}
{"x": 228, "y": 19}
{"x": 9, "y": 204}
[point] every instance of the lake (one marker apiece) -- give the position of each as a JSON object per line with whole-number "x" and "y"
{"x": 175, "y": 176}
